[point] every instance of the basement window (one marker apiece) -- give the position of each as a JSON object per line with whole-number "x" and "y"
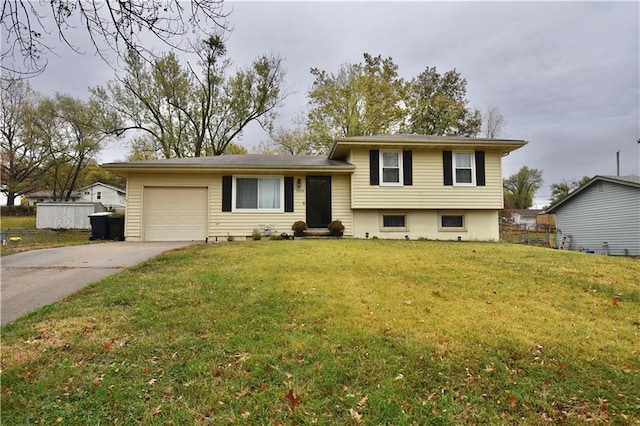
{"x": 394, "y": 222}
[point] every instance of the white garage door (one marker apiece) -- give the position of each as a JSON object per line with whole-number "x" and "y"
{"x": 175, "y": 214}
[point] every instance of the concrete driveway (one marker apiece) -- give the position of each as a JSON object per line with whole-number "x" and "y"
{"x": 35, "y": 278}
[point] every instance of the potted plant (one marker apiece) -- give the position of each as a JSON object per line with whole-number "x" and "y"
{"x": 336, "y": 228}
{"x": 299, "y": 227}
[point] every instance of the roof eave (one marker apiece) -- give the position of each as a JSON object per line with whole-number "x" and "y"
{"x": 341, "y": 146}
{"x": 129, "y": 168}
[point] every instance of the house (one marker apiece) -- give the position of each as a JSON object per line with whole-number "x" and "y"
{"x": 525, "y": 218}
{"x": 110, "y": 196}
{"x": 603, "y": 215}
{"x": 46, "y": 196}
{"x": 390, "y": 186}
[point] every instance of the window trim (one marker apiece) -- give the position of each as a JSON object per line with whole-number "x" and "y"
{"x": 454, "y": 167}
{"x": 452, "y": 228}
{"x": 234, "y": 189}
{"x": 394, "y": 228}
{"x": 399, "y": 154}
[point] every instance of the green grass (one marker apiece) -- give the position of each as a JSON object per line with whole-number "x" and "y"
{"x": 336, "y": 332}
{"x": 32, "y": 238}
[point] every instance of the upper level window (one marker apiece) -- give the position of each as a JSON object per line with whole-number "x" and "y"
{"x": 99, "y": 195}
{"x": 391, "y": 167}
{"x": 463, "y": 165}
{"x": 258, "y": 194}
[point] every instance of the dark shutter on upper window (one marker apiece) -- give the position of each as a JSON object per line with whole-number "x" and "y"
{"x": 288, "y": 194}
{"x": 480, "y": 181}
{"x": 227, "y": 181}
{"x": 374, "y": 167}
{"x": 447, "y": 167}
{"x": 407, "y": 167}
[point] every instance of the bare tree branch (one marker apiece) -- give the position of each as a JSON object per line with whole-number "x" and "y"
{"x": 111, "y": 26}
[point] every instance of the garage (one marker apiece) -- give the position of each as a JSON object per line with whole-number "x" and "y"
{"x": 175, "y": 213}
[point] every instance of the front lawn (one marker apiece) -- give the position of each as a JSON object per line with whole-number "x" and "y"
{"x": 336, "y": 332}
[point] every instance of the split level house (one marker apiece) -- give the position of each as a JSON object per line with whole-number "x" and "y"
{"x": 388, "y": 186}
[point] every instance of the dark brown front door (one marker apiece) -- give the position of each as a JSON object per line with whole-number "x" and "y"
{"x": 318, "y": 201}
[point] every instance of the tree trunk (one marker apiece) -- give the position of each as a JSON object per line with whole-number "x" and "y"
{"x": 11, "y": 198}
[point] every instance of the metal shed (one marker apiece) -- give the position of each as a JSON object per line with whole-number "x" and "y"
{"x": 66, "y": 215}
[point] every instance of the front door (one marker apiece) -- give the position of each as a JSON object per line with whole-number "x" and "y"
{"x": 318, "y": 201}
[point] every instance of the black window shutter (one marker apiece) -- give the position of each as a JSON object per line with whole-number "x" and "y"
{"x": 447, "y": 166}
{"x": 227, "y": 181}
{"x": 480, "y": 181}
{"x": 288, "y": 194}
{"x": 374, "y": 167}
{"x": 407, "y": 167}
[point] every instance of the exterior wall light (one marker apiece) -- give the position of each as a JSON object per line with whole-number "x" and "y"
{"x": 299, "y": 184}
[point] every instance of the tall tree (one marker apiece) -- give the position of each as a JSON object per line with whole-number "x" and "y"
{"x": 437, "y": 105}
{"x": 111, "y": 26}
{"x": 70, "y": 132}
{"x": 521, "y": 187}
{"x": 185, "y": 113}
{"x": 494, "y": 122}
{"x": 22, "y": 153}
{"x": 562, "y": 189}
{"x": 361, "y": 99}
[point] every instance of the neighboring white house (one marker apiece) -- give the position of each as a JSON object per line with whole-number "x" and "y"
{"x": 526, "y": 218}
{"x": 110, "y": 196}
{"x": 603, "y": 215}
{"x": 46, "y": 196}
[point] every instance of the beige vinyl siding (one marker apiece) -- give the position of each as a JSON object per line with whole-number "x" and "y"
{"x": 341, "y": 201}
{"x": 239, "y": 225}
{"x": 227, "y": 224}
{"x": 428, "y": 190}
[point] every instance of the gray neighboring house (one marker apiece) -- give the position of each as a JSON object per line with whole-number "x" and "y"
{"x": 604, "y": 210}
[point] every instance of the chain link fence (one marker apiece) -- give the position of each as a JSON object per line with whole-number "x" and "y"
{"x": 537, "y": 235}
{"x": 16, "y": 237}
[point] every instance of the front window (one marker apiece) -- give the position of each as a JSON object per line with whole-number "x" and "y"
{"x": 258, "y": 194}
{"x": 464, "y": 168}
{"x": 391, "y": 167}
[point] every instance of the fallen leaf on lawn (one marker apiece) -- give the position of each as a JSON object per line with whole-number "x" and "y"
{"x": 245, "y": 414}
{"x": 399, "y": 377}
{"x": 59, "y": 420}
{"x": 242, "y": 393}
{"x": 363, "y": 402}
{"x": 292, "y": 399}
{"x": 155, "y": 411}
{"x": 435, "y": 410}
{"x": 355, "y": 415}
{"x": 512, "y": 401}
{"x": 152, "y": 381}
{"x": 408, "y": 302}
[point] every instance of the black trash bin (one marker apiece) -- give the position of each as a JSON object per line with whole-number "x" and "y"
{"x": 99, "y": 225}
{"x": 116, "y": 227}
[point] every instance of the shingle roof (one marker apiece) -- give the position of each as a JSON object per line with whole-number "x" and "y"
{"x": 630, "y": 180}
{"x": 239, "y": 161}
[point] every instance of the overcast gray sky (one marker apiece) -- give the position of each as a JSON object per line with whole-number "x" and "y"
{"x": 565, "y": 75}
